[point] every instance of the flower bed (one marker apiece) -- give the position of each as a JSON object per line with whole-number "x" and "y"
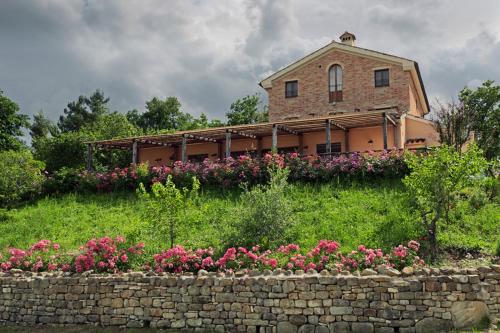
{"x": 114, "y": 255}
{"x": 230, "y": 172}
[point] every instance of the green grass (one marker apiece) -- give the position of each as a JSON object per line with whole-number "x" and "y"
{"x": 376, "y": 215}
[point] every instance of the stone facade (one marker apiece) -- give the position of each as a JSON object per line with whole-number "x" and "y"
{"x": 359, "y": 91}
{"x": 429, "y": 300}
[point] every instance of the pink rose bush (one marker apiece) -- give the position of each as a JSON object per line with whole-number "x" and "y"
{"x": 115, "y": 255}
{"x": 111, "y": 255}
{"x": 232, "y": 172}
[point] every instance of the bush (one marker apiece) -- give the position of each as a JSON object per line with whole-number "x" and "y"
{"x": 114, "y": 255}
{"x": 65, "y": 150}
{"x": 21, "y": 177}
{"x": 437, "y": 181}
{"x": 267, "y": 214}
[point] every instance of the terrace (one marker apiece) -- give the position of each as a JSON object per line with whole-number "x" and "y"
{"x": 260, "y": 138}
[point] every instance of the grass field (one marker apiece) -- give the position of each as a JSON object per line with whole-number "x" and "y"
{"x": 376, "y": 215}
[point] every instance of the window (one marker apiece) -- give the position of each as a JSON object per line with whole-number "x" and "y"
{"x": 291, "y": 89}
{"x": 321, "y": 148}
{"x": 335, "y": 83}
{"x": 382, "y": 78}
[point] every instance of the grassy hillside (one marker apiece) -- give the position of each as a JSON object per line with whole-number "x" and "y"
{"x": 376, "y": 215}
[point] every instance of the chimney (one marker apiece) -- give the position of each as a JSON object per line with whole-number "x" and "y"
{"x": 347, "y": 38}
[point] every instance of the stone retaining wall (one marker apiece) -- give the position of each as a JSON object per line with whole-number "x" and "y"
{"x": 430, "y": 300}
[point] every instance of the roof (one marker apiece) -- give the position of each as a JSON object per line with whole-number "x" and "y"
{"x": 218, "y": 134}
{"x": 408, "y": 65}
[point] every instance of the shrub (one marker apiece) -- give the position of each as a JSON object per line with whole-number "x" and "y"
{"x": 166, "y": 205}
{"x": 65, "y": 150}
{"x": 266, "y": 212}
{"x": 113, "y": 255}
{"x": 436, "y": 181}
{"x": 232, "y": 172}
{"x": 21, "y": 177}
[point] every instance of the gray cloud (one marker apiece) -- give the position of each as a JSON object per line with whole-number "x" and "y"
{"x": 208, "y": 53}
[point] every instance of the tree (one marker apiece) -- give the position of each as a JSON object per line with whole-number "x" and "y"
{"x": 248, "y": 110}
{"x": 435, "y": 182}
{"x": 83, "y": 112}
{"x": 483, "y": 106}
{"x": 11, "y": 124}
{"x": 42, "y": 127}
{"x": 64, "y": 150}
{"x": 166, "y": 205}
{"x": 21, "y": 176}
{"x": 111, "y": 126}
{"x": 161, "y": 115}
{"x": 452, "y": 122}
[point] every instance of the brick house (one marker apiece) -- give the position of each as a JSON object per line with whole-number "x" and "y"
{"x": 338, "y": 99}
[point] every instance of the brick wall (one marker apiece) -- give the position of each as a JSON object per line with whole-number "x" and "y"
{"x": 359, "y": 90}
{"x": 389, "y": 301}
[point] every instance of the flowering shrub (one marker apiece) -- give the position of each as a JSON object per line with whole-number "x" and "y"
{"x": 232, "y": 172}
{"x": 178, "y": 259}
{"x": 113, "y": 255}
{"x": 101, "y": 255}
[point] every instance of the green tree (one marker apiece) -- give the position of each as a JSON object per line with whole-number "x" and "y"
{"x": 248, "y": 110}
{"x": 21, "y": 176}
{"x": 436, "y": 181}
{"x": 83, "y": 112}
{"x": 483, "y": 105}
{"x": 111, "y": 126}
{"x": 42, "y": 127}
{"x": 11, "y": 124}
{"x": 166, "y": 206}
{"x": 64, "y": 150}
{"x": 161, "y": 115}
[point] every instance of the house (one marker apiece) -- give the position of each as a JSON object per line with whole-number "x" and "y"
{"x": 338, "y": 99}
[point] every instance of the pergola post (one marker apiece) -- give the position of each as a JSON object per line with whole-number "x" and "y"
{"x": 184, "y": 149}
{"x": 89, "y": 156}
{"x": 328, "y": 137}
{"x": 259, "y": 147}
{"x": 384, "y": 129}
{"x": 228, "y": 144}
{"x": 274, "y": 146}
{"x": 300, "y": 136}
{"x": 346, "y": 140}
{"x": 134, "y": 152}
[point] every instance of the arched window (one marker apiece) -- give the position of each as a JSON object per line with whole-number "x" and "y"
{"x": 335, "y": 83}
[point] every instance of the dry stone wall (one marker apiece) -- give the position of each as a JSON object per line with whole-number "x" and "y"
{"x": 429, "y": 300}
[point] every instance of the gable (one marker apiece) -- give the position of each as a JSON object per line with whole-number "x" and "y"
{"x": 408, "y": 65}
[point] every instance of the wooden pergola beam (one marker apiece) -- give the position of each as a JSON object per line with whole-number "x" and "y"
{"x": 246, "y": 135}
{"x": 336, "y": 124}
{"x": 287, "y": 130}
{"x": 134, "y": 152}
{"x": 156, "y": 143}
{"x": 199, "y": 137}
{"x": 392, "y": 121}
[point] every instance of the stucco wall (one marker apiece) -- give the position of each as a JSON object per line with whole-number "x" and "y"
{"x": 259, "y": 302}
{"x": 359, "y": 91}
{"x": 420, "y": 128}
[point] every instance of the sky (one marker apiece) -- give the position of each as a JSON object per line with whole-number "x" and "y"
{"x": 209, "y": 53}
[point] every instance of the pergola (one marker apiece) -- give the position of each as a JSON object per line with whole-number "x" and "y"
{"x": 223, "y": 135}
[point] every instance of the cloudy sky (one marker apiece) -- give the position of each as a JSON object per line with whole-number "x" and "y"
{"x": 208, "y": 53}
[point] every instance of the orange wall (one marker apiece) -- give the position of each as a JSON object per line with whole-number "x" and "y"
{"x": 421, "y": 128}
